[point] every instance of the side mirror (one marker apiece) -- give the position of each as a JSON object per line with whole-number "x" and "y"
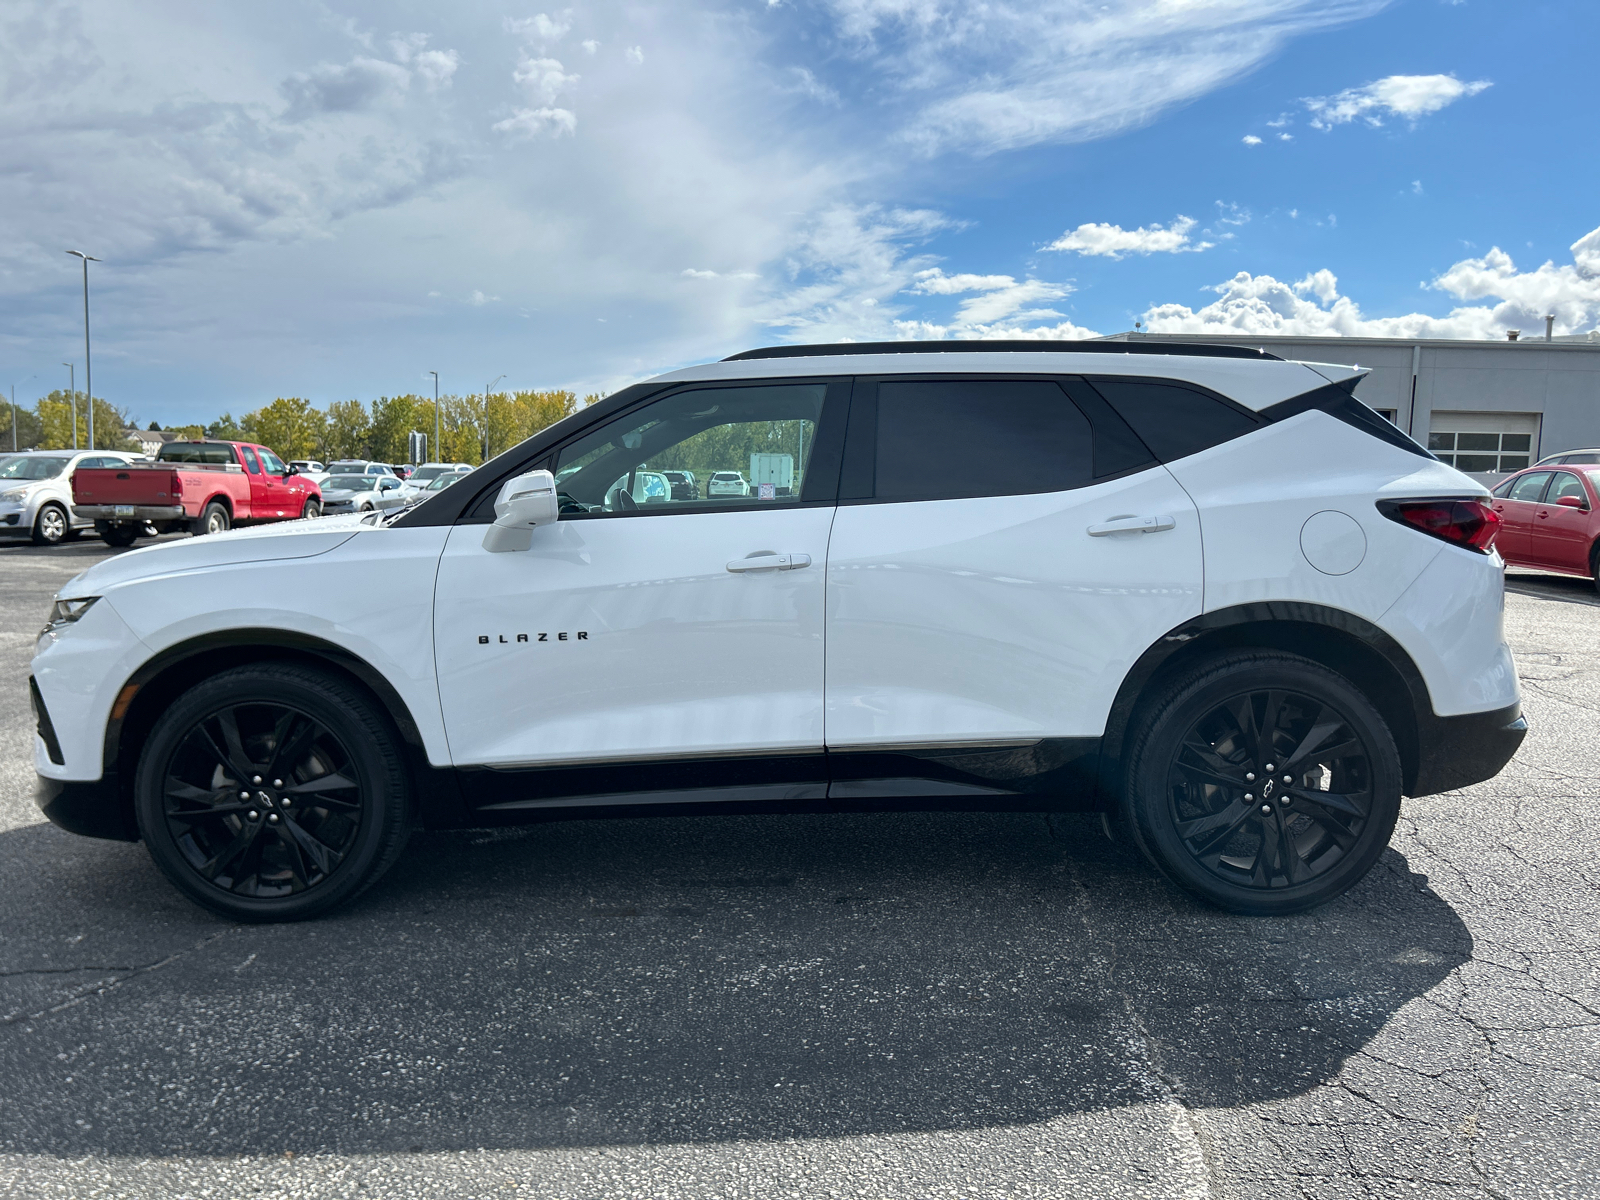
{"x": 1570, "y": 502}
{"x": 524, "y": 503}
{"x": 291, "y": 469}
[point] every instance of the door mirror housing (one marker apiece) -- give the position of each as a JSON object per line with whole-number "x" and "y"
{"x": 1571, "y": 502}
{"x": 524, "y": 503}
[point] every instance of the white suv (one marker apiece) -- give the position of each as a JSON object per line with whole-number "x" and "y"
{"x": 1202, "y": 590}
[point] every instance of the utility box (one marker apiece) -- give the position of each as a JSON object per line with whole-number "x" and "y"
{"x": 418, "y": 447}
{"x": 774, "y": 470}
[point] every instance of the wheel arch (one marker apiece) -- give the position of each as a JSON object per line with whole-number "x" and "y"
{"x": 167, "y": 675}
{"x": 217, "y": 498}
{"x": 1341, "y": 641}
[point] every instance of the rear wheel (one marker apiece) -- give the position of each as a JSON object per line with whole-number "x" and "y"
{"x": 214, "y": 519}
{"x": 273, "y": 793}
{"x": 1262, "y": 782}
{"x": 119, "y": 535}
{"x": 51, "y": 526}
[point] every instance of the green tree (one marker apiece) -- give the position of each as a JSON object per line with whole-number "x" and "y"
{"x": 192, "y": 433}
{"x": 347, "y": 431}
{"x": 289, "y": 426}
{"x": 225, "y": 429}
{"x": 155, "y": 427}
{"x": 61, "y": 420}
{"x": 393, "y": 419}
{"x": 27, "y": 427}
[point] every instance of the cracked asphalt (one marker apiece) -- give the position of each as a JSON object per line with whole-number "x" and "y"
{"x": 903, "y": 1006}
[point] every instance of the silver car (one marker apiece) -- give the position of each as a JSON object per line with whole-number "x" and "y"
{"x": 363, "y": 493}
{"x": 36, "y": 491}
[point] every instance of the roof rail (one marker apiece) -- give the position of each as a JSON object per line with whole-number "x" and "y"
{"x": 1011, "y": 346}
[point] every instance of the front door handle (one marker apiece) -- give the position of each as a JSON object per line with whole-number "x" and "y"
{"x": 1131, "y": 524}
{"x": 766, "y": 560}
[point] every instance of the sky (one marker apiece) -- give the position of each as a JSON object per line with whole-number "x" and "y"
{"x": 330, "y": 200}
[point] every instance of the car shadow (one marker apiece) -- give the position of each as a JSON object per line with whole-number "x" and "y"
{"x": 1568, "y": 588}
{"x": 678, "y": 981}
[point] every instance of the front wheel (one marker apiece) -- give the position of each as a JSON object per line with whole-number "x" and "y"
{"x": 51, "y": 526}
{"x": 273, "y": 793}
{"x": 1262, "y": 782}
{"x": 312, "y": 510}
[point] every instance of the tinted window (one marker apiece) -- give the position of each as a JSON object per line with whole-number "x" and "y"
{"x": 1566, "y": 484}
{"x": 1530, "y": 486}
{"x": 250, "y": 463}
{"x": 196, "y": 452}
{"x": 948, "y": 439}
{"x": 1171, "y": 419}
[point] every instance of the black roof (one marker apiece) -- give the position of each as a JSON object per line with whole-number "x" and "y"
{"x": 1013, "y": 346}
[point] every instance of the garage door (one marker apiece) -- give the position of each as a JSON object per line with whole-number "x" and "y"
{"x": 1484, "y": 441}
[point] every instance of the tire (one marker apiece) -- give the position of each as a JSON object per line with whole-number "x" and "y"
{"x": 1221, "y": 732}
{"x": 213, "y": 518}
{"x": 120, "y": 535}
{"x": 307, "y": 849}
{"x": 51, "y": 526}
{"x": 366, "y": 508}
{"x": 312, "y": 510}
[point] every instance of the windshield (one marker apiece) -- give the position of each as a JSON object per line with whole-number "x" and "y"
{"x": 346, "y": 483}
{"x": 423, "y": 474}
{"x": 442, "y": 482}
{"x": 31, "y": 468}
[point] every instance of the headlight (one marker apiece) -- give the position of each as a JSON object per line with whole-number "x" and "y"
{"x": 15, "y": 494}
{"x": 65, "y": 612}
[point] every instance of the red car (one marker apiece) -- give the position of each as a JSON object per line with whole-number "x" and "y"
{"x": 1550, "y": 519}
{"x": 203, "y": 487}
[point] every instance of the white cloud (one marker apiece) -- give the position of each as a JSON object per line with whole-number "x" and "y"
{"x": 1408, "y": 96}
{"x": 1113, "y": 241}
{"x": 357, "y": 86}
{"x": 1232, "y": 214}
{"x": 590, "y": 46}
{"x": 436, "y": 67}
{"x": 544, "y": 78}
{"x": 1000, "y": 297}
{"x": 1251, "y": 139}
{"x": 807, "y": 84}
{"x": 541, "y": 27}
{"x": 1261, "y": 305}
{"x": 530, "y": 122}
{"x": 634, "y": 54}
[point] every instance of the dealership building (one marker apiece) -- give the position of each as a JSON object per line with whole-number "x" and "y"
{"x": 1486, "y": 407}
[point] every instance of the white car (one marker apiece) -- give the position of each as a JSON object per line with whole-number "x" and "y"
{"x": 727, "y": 483}
{"x": 36, "y": 491}
{"x": 428, "y": 472}
{"x": 363, "y": 493}
{"x": 1201, "y": 590}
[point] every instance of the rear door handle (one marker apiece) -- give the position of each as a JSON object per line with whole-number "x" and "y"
{"x": 1131, "y": 524}
{"x": 767, "y": 561}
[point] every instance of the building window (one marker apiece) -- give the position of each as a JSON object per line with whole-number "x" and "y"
{"x": 1388, "y": 414}
{"x": 1484, "y": 442}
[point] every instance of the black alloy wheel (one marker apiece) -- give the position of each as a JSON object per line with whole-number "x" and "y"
{"x": 273, "y": 793}
{"x": 51, "y": 526}
{"x": 1265, "y": 784}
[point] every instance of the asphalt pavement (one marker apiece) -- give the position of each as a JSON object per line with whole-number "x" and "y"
{"x": 902, "y": 1006}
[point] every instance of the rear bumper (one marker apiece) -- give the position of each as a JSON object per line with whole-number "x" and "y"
{"x": 1454, "y": 752}
{"x": 130, "y": 512}
{"x": 89, "y": 809}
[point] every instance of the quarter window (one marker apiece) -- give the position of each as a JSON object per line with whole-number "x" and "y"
{"x": 953, "y": 439}
{"x": 1173, "y": 420}
{"x": 1566, "y": 483}
{"x": 698, "y": 450}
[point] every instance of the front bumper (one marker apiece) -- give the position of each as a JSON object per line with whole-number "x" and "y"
{"x": 89, "y": 809}
{"x": 130, "y": 512}
{"x": 1454, "y": 752}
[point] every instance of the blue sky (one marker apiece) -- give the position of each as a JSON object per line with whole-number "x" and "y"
{"x": 329, "y": 199}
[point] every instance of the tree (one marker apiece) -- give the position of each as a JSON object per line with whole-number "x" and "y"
{"x": 155, "y": 427}
{"x": 111, "y": 428}
{"x": 347, "y": 431}
{"x": 60, "y": 421}
{"x": 189, "y": 433}
{"x": 393, "y": 419}
{"x": 27, "y": 427}
{"x": 225, "y": 429}
{"x": 289, "y": 426}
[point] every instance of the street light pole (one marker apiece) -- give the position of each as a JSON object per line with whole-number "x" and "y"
{"x": 438, "y": 448}
{"x": 497, "y": 379}
{"x": 88, "y": 369}
{"x": 14, "y": 412}
{"x": 72, "y": 398}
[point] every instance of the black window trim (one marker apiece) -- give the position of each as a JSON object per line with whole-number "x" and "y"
{"x": 478, "y": 508}
{"x": 1338, "y": 400}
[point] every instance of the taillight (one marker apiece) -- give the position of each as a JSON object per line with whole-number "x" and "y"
{"x": 1469, "y": 523}
{"x": 177, "y": 485}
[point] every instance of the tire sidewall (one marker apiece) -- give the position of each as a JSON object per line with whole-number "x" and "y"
{"x": 337, "y": 707}
{"x": 45, "y": 512}
{"x": 311, "y": 511}
{"x": 1146, "y": 804}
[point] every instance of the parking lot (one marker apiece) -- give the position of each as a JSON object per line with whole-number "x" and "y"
{"x": 900, "y": 1005}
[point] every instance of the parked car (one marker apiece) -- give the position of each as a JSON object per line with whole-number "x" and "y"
{"x": 401, "y": 470}
{"x": 649, "y": 487}
{"x": 991, "y": 592}
{"x": 1572, "y": 458}
{"x": 363, "y": 493}
{"x": 726, "y": 483}
{"x": 202, "y": 487}
{"x": 1550, "y": 519}
{"x": 428, "y": 472}
{"x": 309, "y": 467}
{"x": 684, "y": 485}
{"x": 36, "y": 490}
{"x": 439, "y": 482}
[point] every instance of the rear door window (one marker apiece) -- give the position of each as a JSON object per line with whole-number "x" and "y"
{"x": 1172, "y": 419}
{"x": 957, "y": 439}
{"x": 1566, "y": 484}
{"x": 1530, "y": 487}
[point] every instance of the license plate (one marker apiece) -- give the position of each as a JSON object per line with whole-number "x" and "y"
{"x": 123, "y": 510}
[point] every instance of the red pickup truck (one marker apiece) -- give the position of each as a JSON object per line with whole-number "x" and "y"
{"x": 204, "y": 487}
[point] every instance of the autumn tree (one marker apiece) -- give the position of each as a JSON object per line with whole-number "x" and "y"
{"x": 289, "y": 426}
{"x": 225, "y": 429}
{"x": 26, "y": 427}
{"x": 347, "y": 432}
